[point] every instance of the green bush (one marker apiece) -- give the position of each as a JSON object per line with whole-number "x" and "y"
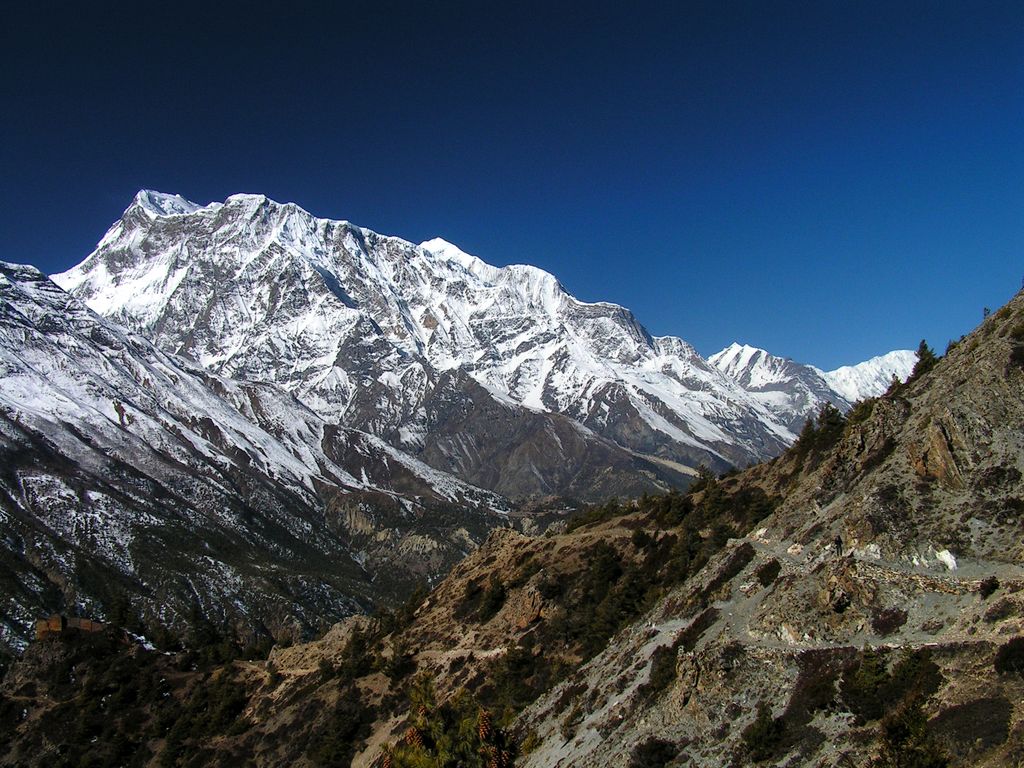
{"x": 863, "y": 688}
{"x": 767, "y": 572}
{"x": 340, "y": 737}
{"x": 663, "y": 670}
{"x": 762, "y": 737}
{"x": 819, "y": 435}
{"x": 926, "y": 360}
{"x": 906, "y": 742}
{"x": 492, "y": 599}
{"x": 653, "y": 753}
{"x": 1010, "y": 657}
{"x": 870, "y": 690}
{"x": 888, "y": 620}
{"x": 987, "y": 587}
{"x": 456, "y": 734}
{"x": 861, "y": 411}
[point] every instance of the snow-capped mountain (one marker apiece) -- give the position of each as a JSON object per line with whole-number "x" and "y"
{"x": 794, "y": 392}
{"x": 482, "y": 371}
{"x": 124, "y": 469}
{"x": 872, "y": 377}
{"x": 790, "y": 390}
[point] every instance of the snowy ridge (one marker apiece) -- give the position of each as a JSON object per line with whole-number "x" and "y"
{"x": 795, "y": 392}
{"x": 791, "y": 391}
{"x": 94, "y": 375}
{"x": 361, "y": 327}
{"x": 872, "y": 377}
{"x": 159, "y": 204}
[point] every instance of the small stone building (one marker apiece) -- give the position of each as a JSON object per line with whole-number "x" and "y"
{"x": 58, "y": 623}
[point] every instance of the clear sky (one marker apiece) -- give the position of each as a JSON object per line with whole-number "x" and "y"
{"x": 828, "y": 180}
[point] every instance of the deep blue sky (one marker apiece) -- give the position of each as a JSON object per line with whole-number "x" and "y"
{"x": 828, "y": 180}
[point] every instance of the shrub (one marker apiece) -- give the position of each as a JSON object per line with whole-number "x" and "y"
{"x": 663, "y": 670}
{"x": 888, "y": 620}
{"x": 641, "y": 539}
{"x": 470, "y": 599}
{"x": 595, "y": 514}
{"x": 653, "y": 753}
{"x": 273, "y": 674}
{"x": 356, "y": 659}
{"x": 1010, "y": 657}
{"x": 906, "y": 742}
{"x": 861, "y": 411}
{"x": 325, "y": 669}
{"x": 926, "y": 360}
{"x": 344, "y": 731}
{"x": 400, "y": 664}
{"x": 862, "y": 687}
{"x": 819, "y": 435}
{"x": 815, "y": 687}
{"x": 1017, "y": 355}
{"x": 988, "y": 587}
{"x": 766, "y": 573}
{"x": 870, "y": 691}
{"x": 762, "y": 737}
{"x": 492, "y": 599}
{"x": 458, "y": 732}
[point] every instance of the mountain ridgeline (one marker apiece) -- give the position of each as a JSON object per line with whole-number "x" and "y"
{"x": 854, "y": 601}
{"x": 479, "y": 371}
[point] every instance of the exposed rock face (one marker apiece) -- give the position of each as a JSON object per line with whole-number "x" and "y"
{"x": 935, "y": 460}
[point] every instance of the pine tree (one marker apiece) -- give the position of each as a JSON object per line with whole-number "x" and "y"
{"x": 926, "y": 360}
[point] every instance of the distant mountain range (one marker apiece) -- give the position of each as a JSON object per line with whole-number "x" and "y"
{"x": 279, "y": 419}
{"x": 794, "y": 392}
{"x": 384, "y": 336}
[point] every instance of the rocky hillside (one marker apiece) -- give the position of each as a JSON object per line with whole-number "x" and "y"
{"x": 871, "y": 618}
{"x": 854, "y": 602}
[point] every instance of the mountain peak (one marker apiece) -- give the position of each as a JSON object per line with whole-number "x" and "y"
{"x": 247, "y": 198}
{"x": 451, "y": 252}
{"x": 737, "y": 355}
{"x": 348, "y": 320}
{"x": 161, "y": 204}
{"x": 872, "y": 377}
{"x": 792, "y": 391}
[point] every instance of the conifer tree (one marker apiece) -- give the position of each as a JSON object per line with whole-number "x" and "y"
{"x": 926, "y": 360}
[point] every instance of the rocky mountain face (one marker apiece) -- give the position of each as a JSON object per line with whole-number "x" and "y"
{"x": 794, "y": 392}
{"x": 128, "y": 473}
{"x": 467, "y": 366}
{"x": 856, "y": 601}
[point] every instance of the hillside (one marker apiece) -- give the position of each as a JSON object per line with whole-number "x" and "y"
{"x": 854, "y": 602}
